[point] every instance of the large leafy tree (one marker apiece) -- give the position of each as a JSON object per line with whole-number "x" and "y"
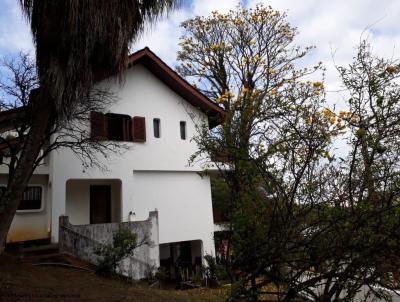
{"x": 274, "y": 139}
{"x": 364, "y": 201}
{"x": 354, "y": 249}
{"x": 300, "y": 219}
{"x": 77, "y": 43}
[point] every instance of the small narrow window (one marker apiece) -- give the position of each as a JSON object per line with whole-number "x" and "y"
{"x": 156, "y": 127}
{"x": 183, "y": 129}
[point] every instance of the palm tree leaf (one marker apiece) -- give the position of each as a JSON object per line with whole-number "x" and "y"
{"x": 81, "y": 41}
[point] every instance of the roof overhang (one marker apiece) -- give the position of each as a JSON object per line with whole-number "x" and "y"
{"x": 162, "y": 71}
{"x": 11, "y": 118}
{"x": 179, "y": 85}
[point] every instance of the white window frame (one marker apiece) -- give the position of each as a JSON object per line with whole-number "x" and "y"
{"x": 41, "y": 209}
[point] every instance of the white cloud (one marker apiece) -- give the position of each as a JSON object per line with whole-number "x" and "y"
{"x": 163, "y": 37}
{"x": 334, "y": 27}
{"x": 205, "y": 7}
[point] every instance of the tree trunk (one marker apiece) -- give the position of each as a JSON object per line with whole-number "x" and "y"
{"x": 253, "y": 288}
{"x": 40, "y": 122}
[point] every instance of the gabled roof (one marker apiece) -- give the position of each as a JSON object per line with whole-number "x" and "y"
{"x": 162, "y": 71}
{"x": 10, "y": 118}
{"x": 169, "y": 77}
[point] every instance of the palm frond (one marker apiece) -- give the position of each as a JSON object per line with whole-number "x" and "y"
{"x": 79, "y": 42}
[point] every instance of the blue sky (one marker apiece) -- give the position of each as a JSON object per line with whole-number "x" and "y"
{"x": 333, "y": 26}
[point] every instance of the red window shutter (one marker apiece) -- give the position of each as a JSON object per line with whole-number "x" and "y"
{"x": 98, "y": 126}
{"x": 139, "y": 129}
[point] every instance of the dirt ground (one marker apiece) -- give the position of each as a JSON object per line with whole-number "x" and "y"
{"x": 21, "y": 281}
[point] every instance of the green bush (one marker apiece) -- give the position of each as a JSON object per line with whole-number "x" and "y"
{"x": 110, "y": 255}
{"x": 149, "y": 273}
{"x": 211, "y": 271}
{"x": 161, "y": 274}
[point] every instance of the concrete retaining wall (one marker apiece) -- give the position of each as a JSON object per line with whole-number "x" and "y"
{"x": 81, "y": 241}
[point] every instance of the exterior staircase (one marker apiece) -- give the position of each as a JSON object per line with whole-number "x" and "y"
{"x": 46, "y": 254}
{"x": 44, "y": 250}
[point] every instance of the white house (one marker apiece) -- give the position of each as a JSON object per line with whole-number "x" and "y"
{"x": 153, "y": 175}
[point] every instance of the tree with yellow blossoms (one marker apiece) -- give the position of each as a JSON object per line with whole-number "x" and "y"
{"x": 274, "y": 141}
{"x": 297, "y": 215}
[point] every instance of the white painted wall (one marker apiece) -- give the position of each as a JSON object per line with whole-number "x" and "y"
{"x": 154, "y": 174}
{"x": 183, "y": 203}
{"x": 77, "y": 206}
{"x": 42, "y": 169}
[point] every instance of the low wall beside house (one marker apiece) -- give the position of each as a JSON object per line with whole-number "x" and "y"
{"x": 81, "y": 241}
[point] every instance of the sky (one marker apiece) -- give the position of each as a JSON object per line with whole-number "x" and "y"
{"x": 333, "y": 26}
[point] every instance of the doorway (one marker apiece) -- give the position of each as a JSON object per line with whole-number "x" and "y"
{"x": 181, "y": 260}
{"x": 100, "y": 204}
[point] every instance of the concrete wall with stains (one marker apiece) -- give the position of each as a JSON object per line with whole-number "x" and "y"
{"x": 81, "y": 241}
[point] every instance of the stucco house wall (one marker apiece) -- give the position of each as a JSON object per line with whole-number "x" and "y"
{"x": 155, "y": 174}
{"x": 77, "y": 202}
{"x": 151, "y": 175}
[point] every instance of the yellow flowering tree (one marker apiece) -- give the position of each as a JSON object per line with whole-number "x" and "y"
{"x": 300, "y": 219}
{"x": 274, "y": 142}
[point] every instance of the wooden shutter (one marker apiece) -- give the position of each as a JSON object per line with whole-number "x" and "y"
{"x": 126, "y": 128}
{"x": 98, "y": 126}
{"x": 139, "y": 129}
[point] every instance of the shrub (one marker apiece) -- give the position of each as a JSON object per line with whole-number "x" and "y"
{"x": 211, "y": 271}
{"x": 161, "y": 274}
{"x": 110, "y": 255}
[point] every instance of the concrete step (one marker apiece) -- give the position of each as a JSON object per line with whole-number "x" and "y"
{"x": 58, "y": 259}
{"x": 31, "y": 248}
{"x": 39, "y": 250}
{"x": 44, "y": 253}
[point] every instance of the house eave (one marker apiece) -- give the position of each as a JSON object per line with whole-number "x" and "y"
{"x": 179, "y": 85}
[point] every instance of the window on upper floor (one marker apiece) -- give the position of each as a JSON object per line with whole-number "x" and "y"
{"x": 182, "y": 125}
{"x": 117, "y": 127}
{"x": 31, "y": 198}
{"x": 156, "y": 127}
